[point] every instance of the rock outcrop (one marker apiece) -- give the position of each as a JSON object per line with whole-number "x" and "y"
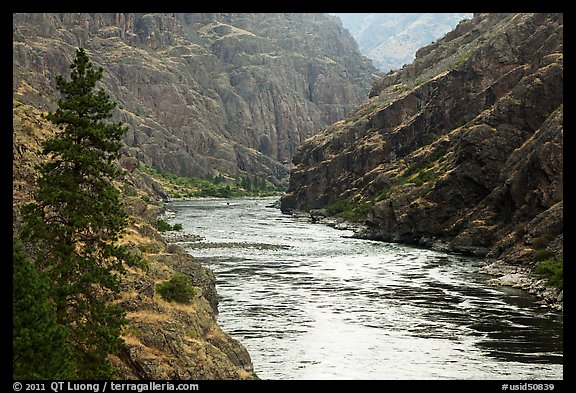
{"x": 163, "y": 340}
{"x": 203, "y": 94}
{"x": 461, "y": 150}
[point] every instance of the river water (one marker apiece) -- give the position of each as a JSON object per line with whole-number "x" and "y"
{"x": 310, "y": 302}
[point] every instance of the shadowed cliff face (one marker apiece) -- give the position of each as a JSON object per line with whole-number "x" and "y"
{"x": 464, "y": 145}
{"x": 203, "y": 94}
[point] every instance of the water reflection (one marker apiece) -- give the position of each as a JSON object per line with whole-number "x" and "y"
{"x": 316, "y": 303}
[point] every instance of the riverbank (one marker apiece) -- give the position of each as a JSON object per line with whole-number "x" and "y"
{"x": 523, "y": 278}
{"x": 505, "y": 274}
{"x": 167, "y": 339}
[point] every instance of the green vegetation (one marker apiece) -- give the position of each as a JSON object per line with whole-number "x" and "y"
{"x": 131, "y": 331}
{"x": 552, "y": 270}
{"x": 163, "y": 226}
{"x": 418, "y": 174}
{"x": 349, "y": 210}
{"x": 461, "y": 58}
{"x": 217, "y": 187}
{"x": 71, "y": 231}
{"x": 177, "y": 289}
{"x": 421, "y": 173}
{"x": 338, "y": 207}
{"x": 383, "y": 194}
{"x": 39, "y": 343}
{"x": 420, "y": 81}
{"x": 373, "y": 107}
{"x": 546, "y": 265}
{"x": 428, "y": 138}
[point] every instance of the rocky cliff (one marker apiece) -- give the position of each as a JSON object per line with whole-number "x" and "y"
{"x": 461, "y": 150}
{"x": 203, "y": 94}
{"x": 163, "y": 340}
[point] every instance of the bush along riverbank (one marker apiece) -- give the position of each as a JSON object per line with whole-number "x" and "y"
{"x": 544, "y": 279}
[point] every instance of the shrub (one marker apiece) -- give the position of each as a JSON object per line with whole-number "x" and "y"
{"x": 162, "y": 225}
{"x": 383, "y": 194}
{"x": 338, "y": 207}
{"x": 542, "y": 241}
{"x": 552, "y": 270}
{"x": 542, "y": 255}
{"x": 358, "y": 212}
{"x": 177, "y": 289}
{"x": 428, "y": 138}
{"x": 348, "y": 210}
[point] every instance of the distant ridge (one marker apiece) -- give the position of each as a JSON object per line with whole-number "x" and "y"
{"x": 391, "y": 40}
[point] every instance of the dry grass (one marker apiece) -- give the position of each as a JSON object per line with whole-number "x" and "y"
{"x": 191, "y": 308}
{"x": 148, "y": 316}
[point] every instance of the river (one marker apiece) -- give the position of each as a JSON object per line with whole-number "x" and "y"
{"x": 310, "y": 302}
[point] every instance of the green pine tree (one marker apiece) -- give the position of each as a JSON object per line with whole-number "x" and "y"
{"x": 39, "y": 347}
{"x": 77, "y": 218}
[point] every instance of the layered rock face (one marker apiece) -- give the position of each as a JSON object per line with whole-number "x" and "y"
{"x": 460, "y": 150}
{"x": 203, "y": 94}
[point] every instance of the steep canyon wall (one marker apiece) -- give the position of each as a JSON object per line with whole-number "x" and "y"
{"x": 461, "y": 150}
{"x": 203, "y": 94}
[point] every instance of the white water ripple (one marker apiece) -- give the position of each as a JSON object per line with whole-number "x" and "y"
{"x": 310, "y": 302}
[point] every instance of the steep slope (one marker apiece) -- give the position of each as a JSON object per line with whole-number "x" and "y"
{"x": 203, "y": 94}
{"x": 163, "y": 340}
{"x": 461, "y": 150}
{"x": 392, "y": 39}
